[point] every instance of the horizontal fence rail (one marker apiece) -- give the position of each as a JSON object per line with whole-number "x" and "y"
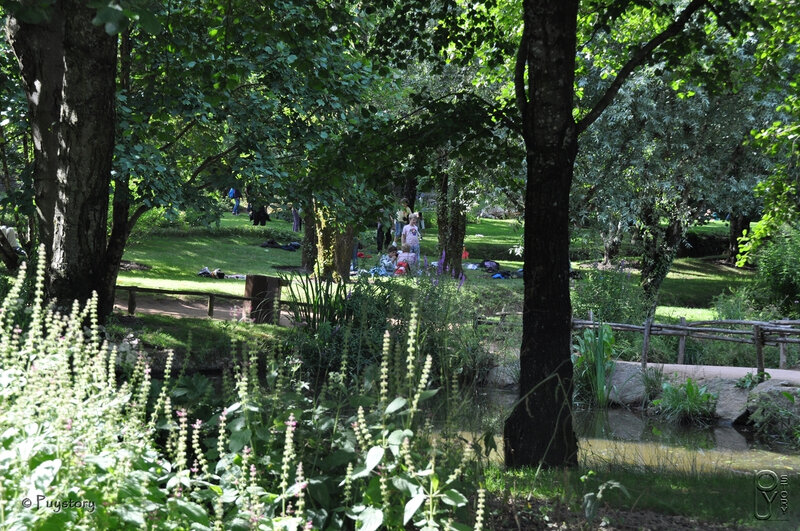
{"x": 757, "y": 333}
{"x": 211, "y": 297}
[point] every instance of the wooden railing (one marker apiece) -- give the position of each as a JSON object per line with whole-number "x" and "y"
{"x": 757, "y": 333}
{"x": 212, "y": 297}
{"x": 133, "y": 290}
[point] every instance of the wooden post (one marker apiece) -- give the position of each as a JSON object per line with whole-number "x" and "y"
{"x": 782, "y": 347}
{"x": 131, "y": 301}
{"x": 682, "y": 344}
{"x": 591, "y": 315}
{"x": 210, "y": 305}
{"x": 263, "y": 292}
{"x": 758, "y": 339}
{"x": 646, "y": 342}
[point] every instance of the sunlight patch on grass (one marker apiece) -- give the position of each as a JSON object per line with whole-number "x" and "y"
{"x": 673, "y": 314}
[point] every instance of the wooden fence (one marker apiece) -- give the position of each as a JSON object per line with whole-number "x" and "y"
{"x": 757, "y": 333}
{"x": 211, "y": 297}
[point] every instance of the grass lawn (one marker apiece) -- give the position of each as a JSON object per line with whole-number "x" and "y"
{"x": 721, "y": 497}
{"x": 694, "y": 282}
{"x": 204, "y": 336}
{"x": 175, "y": 256}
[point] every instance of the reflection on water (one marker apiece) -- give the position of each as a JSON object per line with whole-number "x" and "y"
{"x": 620, "y": 436}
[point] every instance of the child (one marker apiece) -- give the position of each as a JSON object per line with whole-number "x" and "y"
{"x": 411, "y": 234}
{"x": 389, "y": 260}
{"x": 406, "y": 257}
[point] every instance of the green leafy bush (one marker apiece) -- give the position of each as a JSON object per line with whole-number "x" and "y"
{"x": 686, "y": 403}
{"x": 778, "y": 271}
{"x": 612, "y": 296}
{"x": 750, "y": 380}
{"x": 775, "y": 418}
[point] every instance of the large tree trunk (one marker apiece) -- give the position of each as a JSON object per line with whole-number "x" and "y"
{"x": 309, "y": 248}
{"x": 121, "y": 220}
{"x": 612, "y": 241}
{"x": 539, "y": 430}
{"x": 40, "y": 54}
{"x": 334, "y": 247}
{"x": 68, "y": 66}
{"x": 738, "y": 224}
{"x": 451, "y": 225}
{"x": 660, "y": 248}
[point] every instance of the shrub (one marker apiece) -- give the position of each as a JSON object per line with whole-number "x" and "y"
{"x": 778, "y": 271}
{"x": 686, "y": 403}
{"x": 750, "y": 380}
{"x": 775, "y": 418}
{"x": 611, "y": 295}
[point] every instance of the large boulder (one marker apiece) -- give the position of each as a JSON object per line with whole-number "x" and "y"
{"x": 627, "y": 385}
{"x": 774, "y": 390}
{"x": 731, "y": 400}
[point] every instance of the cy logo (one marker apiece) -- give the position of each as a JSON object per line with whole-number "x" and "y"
{"x": 771, "y": 495}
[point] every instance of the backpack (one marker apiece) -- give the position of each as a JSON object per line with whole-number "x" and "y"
{"x": 231, "y": 193}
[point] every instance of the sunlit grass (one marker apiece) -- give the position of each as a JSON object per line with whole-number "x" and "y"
{"x": 176, "y": 257}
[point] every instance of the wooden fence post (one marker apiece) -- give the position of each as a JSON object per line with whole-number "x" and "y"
{"x": 758, "y": 339}
{"x": 646, "y": 342}
{"x": 210, "y": 305}
{"x": 782, "y": 347}
{"x": 131, "y": 301}
{"x": 682, "y": 344}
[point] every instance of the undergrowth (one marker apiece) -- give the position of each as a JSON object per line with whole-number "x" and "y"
{"x": 89, "y": 447}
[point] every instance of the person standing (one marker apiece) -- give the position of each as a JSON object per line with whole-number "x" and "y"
{"x": 297, "y": 221}
{"x": 384, "y": 231}
{"x": 411, "y": 235}
{"x": 236, "y": 195}
{"x": 401, "y": 219}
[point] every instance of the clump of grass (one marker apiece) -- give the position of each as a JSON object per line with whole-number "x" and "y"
{"x": 686, "y": 403}
{"x": 592, "y": 363}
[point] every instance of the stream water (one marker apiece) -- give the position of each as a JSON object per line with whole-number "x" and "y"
{"x": 621, "y": 436}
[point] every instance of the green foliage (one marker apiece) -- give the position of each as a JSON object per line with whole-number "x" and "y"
{"x": 120, "y": 454}
{"x": 775, "y": 418}
{"x": 750, "y": 380}
{"x": 593, "y": 364}
{"x": 686, "y": 403}
{"x": 591, "y": 500}
{"x": 744, "y": 303}
{"x": 778, "y": 271}
{"x": 653, "y": 381}
{"x": 612, "y": 296}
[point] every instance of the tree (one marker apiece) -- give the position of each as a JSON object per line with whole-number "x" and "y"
{"x": 544, "y": 75}
{"x": 196, "y": 96}
{"x": 68, "y": 67}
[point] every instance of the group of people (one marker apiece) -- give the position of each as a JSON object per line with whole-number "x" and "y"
{"x": 407, "y": 232}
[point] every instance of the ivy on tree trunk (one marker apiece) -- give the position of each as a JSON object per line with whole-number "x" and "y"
{"x": 451, "y": 225}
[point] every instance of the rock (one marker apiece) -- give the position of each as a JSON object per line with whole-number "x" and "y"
{"x": 504, "y": 376}
{"x": 773, "y": 390}
{"x": 731, "y": 400}
{"x": 627, "y": 385}
{"x": 727, "y": 438}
